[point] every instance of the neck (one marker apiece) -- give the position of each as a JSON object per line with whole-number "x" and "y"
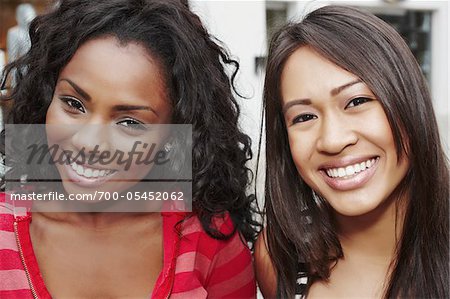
{"x": 98, "y": 221}
{"x": 373, "y": 236}
{"x": 104, "y": 214}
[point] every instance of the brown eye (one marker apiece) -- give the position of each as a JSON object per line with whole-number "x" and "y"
{"x": 132, "y": 124}
{"x": 358, "y": 101}
{"x": 73, "y": 104}
{"x": 303, "y": 118}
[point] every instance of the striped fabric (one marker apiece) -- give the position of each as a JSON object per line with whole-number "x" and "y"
{"x": 13, "y": 280}
{"x": 202, "y": 266}
{"x": 195, "y": 265}
{"x": 302, "y": 282}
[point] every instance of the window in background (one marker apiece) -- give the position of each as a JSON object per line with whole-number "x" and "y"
{"x": 276, "y": 16}
{"x": 415, "y": 27}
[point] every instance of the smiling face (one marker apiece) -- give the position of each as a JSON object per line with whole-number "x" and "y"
{"x": 103, "y": 100}
{"x": 339, "y": 135}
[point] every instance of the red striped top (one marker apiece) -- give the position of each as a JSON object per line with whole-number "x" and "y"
{"x": 195, "y": 265}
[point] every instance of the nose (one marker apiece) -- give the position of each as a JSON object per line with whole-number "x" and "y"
{"x": 336, "y": 133}
{"x": 92, "y": 139}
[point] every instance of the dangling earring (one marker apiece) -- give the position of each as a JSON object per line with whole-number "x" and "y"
{"x": 315, "y": 197}
{"x": 167, "y": 147}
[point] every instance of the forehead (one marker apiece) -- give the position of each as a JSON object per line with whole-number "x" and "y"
{"x": 307, "y": 72}
{"x": 103, "y": 65}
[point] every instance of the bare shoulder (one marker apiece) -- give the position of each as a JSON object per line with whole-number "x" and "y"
{"x": 264, "y": 269}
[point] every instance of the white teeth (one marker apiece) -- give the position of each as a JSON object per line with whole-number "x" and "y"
{"x": 89, "y": 172}
{"x": 335, "y": 172}
{"x": 80, "y": 170}
{"x": 351, "y": 169}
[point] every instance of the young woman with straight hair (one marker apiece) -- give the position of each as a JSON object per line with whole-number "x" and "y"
{"x": 357, "y": 181}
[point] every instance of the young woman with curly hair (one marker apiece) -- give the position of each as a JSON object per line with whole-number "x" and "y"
{"x": 357, "y": 182}
{"x": 126, "y": 64}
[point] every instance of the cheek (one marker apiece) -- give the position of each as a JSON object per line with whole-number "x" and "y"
{"x": 140, "y": 154}
{"x": 57, "y": 124}
{"x": 379, "y": 131}
{"x": 301, "y": 147}
{"x": 137, "y": 172}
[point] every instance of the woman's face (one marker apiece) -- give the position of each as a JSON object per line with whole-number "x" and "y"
{"x": 339, "y": 136}
{"x": 104, "y": 99}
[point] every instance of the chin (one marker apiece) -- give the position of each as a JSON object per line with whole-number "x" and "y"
{"x": 354, "y": 208}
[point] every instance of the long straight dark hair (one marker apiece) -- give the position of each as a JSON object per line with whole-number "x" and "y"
{"x": 366, "y": 46}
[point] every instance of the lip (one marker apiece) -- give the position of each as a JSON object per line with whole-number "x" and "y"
{"x": 353, "y": 182}
{"x": 87, "y": 165}
{"x": 83, "y": 181}
{"x": 346, "y": 161}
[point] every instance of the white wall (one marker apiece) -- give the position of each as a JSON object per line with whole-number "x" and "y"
{"x": 241, "y": 25}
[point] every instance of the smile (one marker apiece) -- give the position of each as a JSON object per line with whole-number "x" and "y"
{"x": 350, "y": 176}
{"x": 350, "y": 170}
{"x": 90, "y": 172}
{"x": 84, "y": 176}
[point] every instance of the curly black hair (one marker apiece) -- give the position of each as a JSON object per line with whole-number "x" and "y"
{"x": 195, "y": 67}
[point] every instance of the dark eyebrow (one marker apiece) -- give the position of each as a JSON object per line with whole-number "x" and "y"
{"x": 337, "y": 90}
{"x": 296, "y": 102}
{"x": 78, "y": 89}
{"x": 333, "y": 92}
{"x": 85, "y": 95}
{"x": 133, "y": 107}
